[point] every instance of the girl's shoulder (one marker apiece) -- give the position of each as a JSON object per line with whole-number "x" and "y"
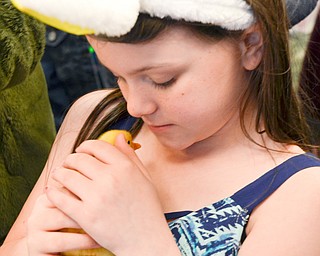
{"x": 82, "y": 108}
{"x": 74, "y": 120}
{"x": 304, "y": 184}
{"x": 90, "y": 100}
{"x": 260, "y": 189}
{"x": 289, "y": 216}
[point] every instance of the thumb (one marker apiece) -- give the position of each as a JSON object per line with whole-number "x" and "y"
{"x": 122, "y": 144}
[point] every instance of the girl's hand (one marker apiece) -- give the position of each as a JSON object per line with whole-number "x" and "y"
{"x": 44, "y": 237}
{"x": 114, "y": 200}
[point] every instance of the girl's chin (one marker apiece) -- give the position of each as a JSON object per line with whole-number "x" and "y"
{"x": 174, "y": 145}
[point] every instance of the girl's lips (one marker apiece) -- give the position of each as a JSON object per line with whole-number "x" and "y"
{"x": 159, "y": 128}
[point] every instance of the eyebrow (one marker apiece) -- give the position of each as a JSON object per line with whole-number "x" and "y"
{"x": 143, "y": 69}
{"x": 147, "y": 68}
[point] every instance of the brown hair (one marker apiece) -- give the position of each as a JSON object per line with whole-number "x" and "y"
{"x": 270, "y": 85}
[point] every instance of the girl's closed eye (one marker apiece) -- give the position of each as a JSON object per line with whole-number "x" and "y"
{"x": 162, "y": 85}
{"x": 165, "y": 84}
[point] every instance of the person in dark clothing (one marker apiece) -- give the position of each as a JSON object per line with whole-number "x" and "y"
{"x": 72, "y": 70}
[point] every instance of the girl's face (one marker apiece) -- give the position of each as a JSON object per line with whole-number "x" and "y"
{"x": 184, "y": 88}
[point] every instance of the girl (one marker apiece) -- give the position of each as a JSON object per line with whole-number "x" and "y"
{"x": 223, "y": 169}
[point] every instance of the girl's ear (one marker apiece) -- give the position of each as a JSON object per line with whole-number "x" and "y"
{"x": 251, "y": 47}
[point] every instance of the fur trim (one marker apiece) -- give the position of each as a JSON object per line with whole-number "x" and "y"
{"x": 112, "y": 17}
{"x": 117, "y": 17}
{"x": 229, "y": 14}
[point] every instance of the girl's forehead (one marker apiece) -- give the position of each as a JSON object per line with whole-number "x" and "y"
{"x": 175, "y": 37}
{"x": 175, "y": 42}
{"x": 173, "y": 48}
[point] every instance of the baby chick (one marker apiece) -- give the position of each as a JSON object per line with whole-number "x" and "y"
{"x": 110, "y": 137}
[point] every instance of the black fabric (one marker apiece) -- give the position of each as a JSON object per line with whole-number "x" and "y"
{"x": 299, "y": 9}
{"x": 72, "y": 69}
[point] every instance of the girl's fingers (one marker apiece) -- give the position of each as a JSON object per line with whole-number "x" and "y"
{"x": 43, "y": 201}
{"x": 123, "y": 146}
{"x": 109, "y": 154}
{"x": 66, "y": 202}
{"x": 56, "y": 242}
{"x": 46, "y": 216}
{"x": 75, "y": 241}
{"x": 60, "y": 221}
{"x": 74, "y": 181}
{"x": 45, "y": 228}
{"x": 101, "y": 150}
{"x": 86, "y": 164}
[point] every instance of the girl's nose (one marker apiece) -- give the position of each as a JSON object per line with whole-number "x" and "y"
{"x": 140, "y": 102}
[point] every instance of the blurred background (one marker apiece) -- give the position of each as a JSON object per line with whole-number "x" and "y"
{"x": 300, "y": 35}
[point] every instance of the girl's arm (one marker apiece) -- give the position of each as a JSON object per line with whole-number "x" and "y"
{"x": 15, "y": 243}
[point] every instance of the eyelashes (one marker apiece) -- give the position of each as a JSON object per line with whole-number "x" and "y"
{"x": 163, "y": 85}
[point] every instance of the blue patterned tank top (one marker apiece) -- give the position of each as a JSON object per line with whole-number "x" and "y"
{"x": 219, "y": 229}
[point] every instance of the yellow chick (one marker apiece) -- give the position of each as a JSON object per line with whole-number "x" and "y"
{"x": 85, "y": 252}
{"x": 110, "y": 137}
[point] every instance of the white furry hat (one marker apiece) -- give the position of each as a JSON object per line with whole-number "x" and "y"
{"x": 117, "y": 17}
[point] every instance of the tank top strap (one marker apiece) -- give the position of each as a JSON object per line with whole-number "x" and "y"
{"x": 124, "y": 123}
{"x": 253, "y": 194}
